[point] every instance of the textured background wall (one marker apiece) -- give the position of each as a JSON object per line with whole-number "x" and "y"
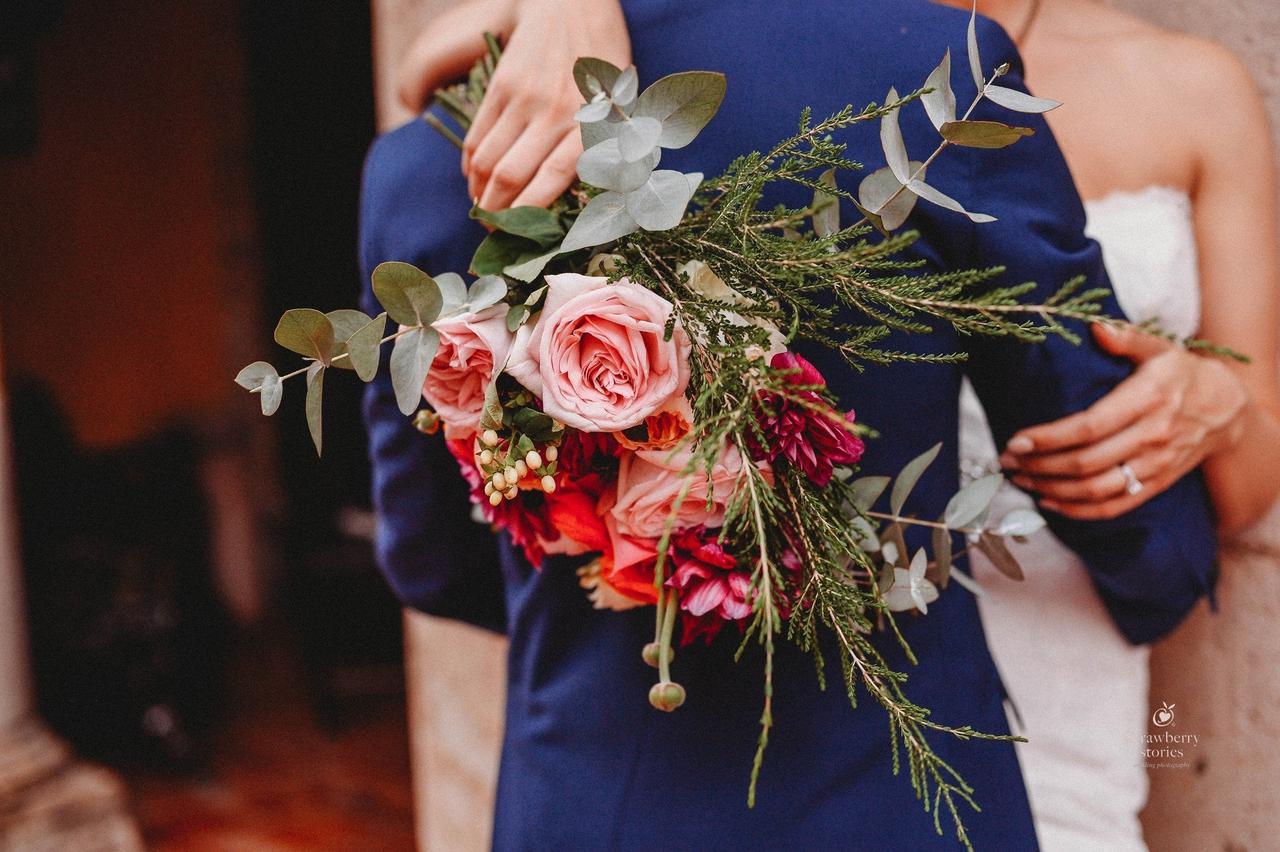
{"x": 1218, "y": 670}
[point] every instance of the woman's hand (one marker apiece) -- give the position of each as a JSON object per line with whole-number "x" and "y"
{"x": 1162, "y": 422}
{"x": 523, "y": 147}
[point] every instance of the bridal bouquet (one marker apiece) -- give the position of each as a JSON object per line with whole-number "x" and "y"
{"x": 620, "y": 381}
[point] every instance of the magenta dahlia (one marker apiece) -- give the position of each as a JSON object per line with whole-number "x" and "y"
{"x": 803, "y": 428}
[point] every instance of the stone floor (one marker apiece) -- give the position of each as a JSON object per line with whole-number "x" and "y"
{"x": 280, "y": 782}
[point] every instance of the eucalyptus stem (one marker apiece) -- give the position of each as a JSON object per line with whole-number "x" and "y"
{"x": 343, "y": 357}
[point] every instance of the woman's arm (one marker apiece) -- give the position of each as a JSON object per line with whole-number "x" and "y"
{"x": 1181, "y": 409}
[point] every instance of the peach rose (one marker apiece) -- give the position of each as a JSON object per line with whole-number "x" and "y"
{"x": 596, "y": 356}
{"x": 471, "y": 347}
{"x": 649, "y": 481}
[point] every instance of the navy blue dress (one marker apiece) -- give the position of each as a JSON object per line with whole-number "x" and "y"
{"x": 587, "y": 763}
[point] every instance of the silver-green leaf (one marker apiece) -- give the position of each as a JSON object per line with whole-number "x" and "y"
{"x": 364, "y": 347}
{"x": 983, "y": 134}
{"x": 895, "y": 150}
{"x": 262, "y": 378}
{"x": 315, "y": 393}
{"x": 881, "y": 185}
{"x": 940, "y": 103}
{"x": 660, "y": 204}
{"x": 866, "y": 490}
{"x": 1019, "y": 523}
{"x": 307, "y": 332}
{"x": 411, "y": 358}
{"x": 683, "y": 103}
{"x": 410, "y": 295}
{"x": 975, "y": 60}
{"x": 971, "y": 501}
{"x": 603, "y": 165}
{"x": 604, "y": 219}
{"x": 928, "y": 193}
{"x": 826, "y": 206}
{"x": 1019, "y": 101}
{"x": 909, "y": 476}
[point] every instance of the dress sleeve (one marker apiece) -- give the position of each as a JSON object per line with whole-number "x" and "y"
{"x": 1151, "y": 565}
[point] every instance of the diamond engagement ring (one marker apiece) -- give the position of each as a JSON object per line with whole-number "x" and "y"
{"x": 1132, "y": 484}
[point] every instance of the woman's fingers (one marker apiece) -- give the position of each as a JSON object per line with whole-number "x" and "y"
{"x": 1091, "y": 459}
{"x": 1114, "y": 507}
{"x": 1128, "y": 341}
{"x": 491, "y": 147}
{"x": 554, "y": 175}
{"x": 1130, "y": 400}
{"x": 446, "y": 48}
{"x": 1101, "y": 486}
{"x": 519, "y": 165}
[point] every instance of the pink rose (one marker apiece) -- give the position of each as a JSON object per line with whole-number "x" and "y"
{"x": 649, "y": 481}
{"x": 470, "y": 347}
{"x": 597, "y": 357}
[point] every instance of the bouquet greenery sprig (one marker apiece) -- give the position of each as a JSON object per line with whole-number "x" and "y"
{"x": 619, "y": 380}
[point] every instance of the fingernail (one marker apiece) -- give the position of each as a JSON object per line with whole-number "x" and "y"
{"x": 1008, "y": 462}
{"x": 1019, "y": 444}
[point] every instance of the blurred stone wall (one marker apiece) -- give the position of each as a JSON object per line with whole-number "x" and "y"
{"x": 1218, "y": 670}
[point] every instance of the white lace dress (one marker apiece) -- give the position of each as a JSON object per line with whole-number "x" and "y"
{"x": 1079, "y": 688}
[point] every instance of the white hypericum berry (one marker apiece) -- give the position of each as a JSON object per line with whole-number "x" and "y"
{"x": 522, "y": 469}
{"x": 488, "y": 488}
{"x": 533, "y": 459}
{"x": 486, "y": 457}
{"x": 499, "y": 481}
{"x": 512, "y": 493}
{"x": 489, "y": 438}
{"x": 495, "y": 498}
{"x": 552, "y": 453}
{"x": 512, "y": 475}
{"x": 548, "y": 484}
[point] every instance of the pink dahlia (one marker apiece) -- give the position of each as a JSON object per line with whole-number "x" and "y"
{"x": 803, "y": 428}
{"x": 712, "y": 589}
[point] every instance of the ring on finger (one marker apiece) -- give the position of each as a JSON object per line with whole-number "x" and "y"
{"x": 1132, "y": 484}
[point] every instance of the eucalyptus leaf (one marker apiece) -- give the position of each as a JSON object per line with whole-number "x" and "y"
{"x": 315, "y": 393}
{"x": 660, "y": 204}
{"x": 1020, "y": 523}
{"x": 533, "y": 223}
{"x": 603, "y": 166}
{"x": 527, "y": 270}
{"x": 826, "y": 206}
{"x": 975, "y": 60}
{"x": 983, "y": 134}
{"x": 865, "y": 533}
{"x": 485, "y": 292}
{"x": 593, "y": 111}
{"x": 942, "y": 555}
{"x": 263, "y": 378}
{"x": 409, "y": 295}
{"x": 638, "y": 138}
{"x": 878, "y": 187}
{"x": 683, "y": 103}
{"x": 940, "y": 104}
{"x": 364, "y": 348}
{"x": 866, "y": 490}
{"x": 411, "y": 358}
{"x": 1000, "y": 557}
{"x": 453, "y": 290}
{"x": 594, "y": 76}
{"x": 928, "y": 193}
{"x": 909, "y": 476}
{"x": 1019, "y": 101}
{"x": 895, "y": 150}
{"x": 624, "y": 89}
{"x": 971, "y": 501}
{"x": 604, "y": 219}
{"x": 346, "y": 322}
{"x": 307, "y": 332}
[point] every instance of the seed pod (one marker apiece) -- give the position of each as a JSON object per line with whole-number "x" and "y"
{"x": 666, "y": 696}
{"x": 650, "y": 654}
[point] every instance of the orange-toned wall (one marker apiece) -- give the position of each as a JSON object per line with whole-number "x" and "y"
{"x": 124, "y": 235}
